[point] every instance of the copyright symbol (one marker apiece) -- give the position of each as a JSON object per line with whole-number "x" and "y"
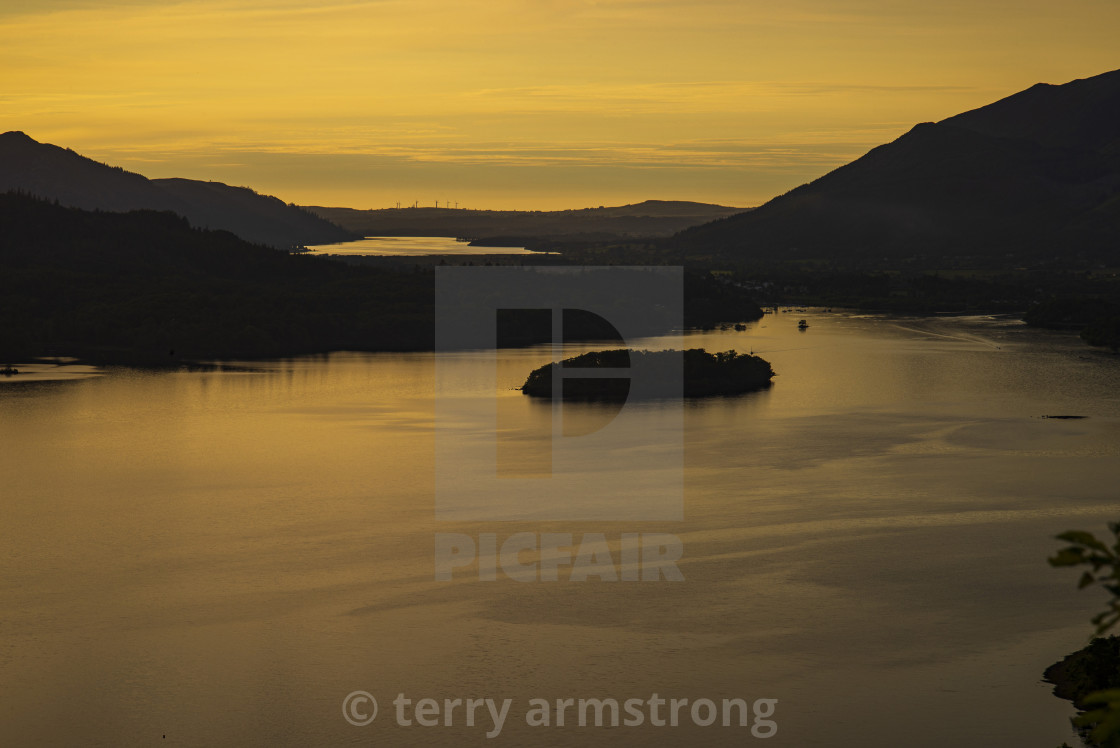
{"x": 354, "y": 708}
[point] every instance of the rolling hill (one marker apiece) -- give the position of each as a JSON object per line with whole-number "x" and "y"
{"x": 55, "y": 173}
{"x": 645, "y": 220}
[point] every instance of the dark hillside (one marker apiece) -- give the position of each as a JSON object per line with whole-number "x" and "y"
{"x": 60, "y": 174}
{"x": 1032, "y": 177}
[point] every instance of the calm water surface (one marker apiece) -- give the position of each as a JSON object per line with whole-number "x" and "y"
{"x": 221, "y": 557}
{"x": 412, "y": 245}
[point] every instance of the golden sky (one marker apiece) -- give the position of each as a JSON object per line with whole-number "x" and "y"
{"x": 529, "y": 104}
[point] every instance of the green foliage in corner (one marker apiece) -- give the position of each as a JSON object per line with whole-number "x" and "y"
{"x": 1101, "y": 715}
{"x": 1104, "y": 563}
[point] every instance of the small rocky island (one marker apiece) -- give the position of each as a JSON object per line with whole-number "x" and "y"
{"x": 704, "y": 374}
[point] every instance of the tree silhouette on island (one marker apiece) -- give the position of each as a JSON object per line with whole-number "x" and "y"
{"x": 704, "y": 374}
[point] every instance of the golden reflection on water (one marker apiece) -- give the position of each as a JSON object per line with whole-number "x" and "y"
{"x": 221, "y": 556}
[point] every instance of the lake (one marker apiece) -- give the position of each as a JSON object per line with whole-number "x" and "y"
{"x": 411, "y": 246}
{"x": 220, "y": 557}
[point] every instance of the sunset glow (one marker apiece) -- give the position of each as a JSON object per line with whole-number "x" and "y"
{"x": 532, "y": 104}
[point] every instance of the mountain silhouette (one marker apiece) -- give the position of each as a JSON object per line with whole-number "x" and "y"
{"x": 648, "y": 219}
{"x": 56, "y": 173}
{"x": 1033, "y": 176}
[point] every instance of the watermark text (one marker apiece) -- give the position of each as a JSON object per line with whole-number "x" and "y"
{"x": 555, "y": 556}
{"x": 493, "y": 715}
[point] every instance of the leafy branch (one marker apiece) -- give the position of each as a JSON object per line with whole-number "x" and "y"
{"x": 1086, "y": 550}
{"x": 1103, "y": 721}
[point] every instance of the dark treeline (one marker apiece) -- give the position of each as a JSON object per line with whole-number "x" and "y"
{"x": 146, "y": 287}
{"x": 703, "y": 374}
{"x": 1053, "y": 295}
{"x": 1096, "y": 316}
